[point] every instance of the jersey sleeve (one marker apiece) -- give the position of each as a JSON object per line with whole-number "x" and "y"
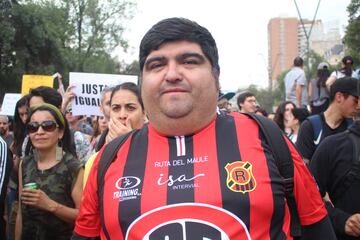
{"x": 88, "y": 221}
{"x": 304, "y": 143}
{"x": 309, "y": 203}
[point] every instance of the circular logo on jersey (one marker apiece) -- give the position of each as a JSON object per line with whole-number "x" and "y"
{"x": 127, "y": 182}
{"x": 188, "y": 221}
{"x": 240, "y": 177}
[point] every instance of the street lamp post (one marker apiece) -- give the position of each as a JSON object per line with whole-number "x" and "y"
{"x": 307, "y": 35}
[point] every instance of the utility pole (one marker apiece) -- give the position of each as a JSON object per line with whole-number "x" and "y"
{"x": 307, "y": 35}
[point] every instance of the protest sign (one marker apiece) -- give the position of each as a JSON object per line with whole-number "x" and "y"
{"x": 9, "y": 103}
{"x": 33, "y": 81}
{"x": 87, "y": 88}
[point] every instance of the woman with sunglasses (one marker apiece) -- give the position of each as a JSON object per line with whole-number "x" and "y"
{"x": 50, "y": 179}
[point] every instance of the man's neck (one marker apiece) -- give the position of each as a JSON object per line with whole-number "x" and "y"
{"x": 181, "y": 127}
{"x": 333, "y": 117}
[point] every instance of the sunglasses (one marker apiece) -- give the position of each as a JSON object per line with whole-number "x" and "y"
{"x": 48, "y": 126}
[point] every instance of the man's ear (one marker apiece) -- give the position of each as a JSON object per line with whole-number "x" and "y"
{"x": 338, "y": 97}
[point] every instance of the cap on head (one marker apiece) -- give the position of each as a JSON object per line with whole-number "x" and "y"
{"x": 228, "y": 95}
{"x": 347, "y": 60}
{"x": 298, "y": 62}
{"x": 347, "y": 85}
{"x": 323, "y": 65}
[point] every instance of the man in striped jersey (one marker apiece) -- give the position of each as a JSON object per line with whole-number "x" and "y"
{"x": 190, "y": 173}
{"x": 5, "y": 168}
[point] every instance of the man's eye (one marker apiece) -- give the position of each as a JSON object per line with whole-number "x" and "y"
{"x": 190, "y": 62}
{"x": 131, "y": 108}
{"x": 155, "y": 65}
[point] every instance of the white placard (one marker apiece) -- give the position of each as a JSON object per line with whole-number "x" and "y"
{"x": 9, "y": 103}
{"x": 87, "y": 88}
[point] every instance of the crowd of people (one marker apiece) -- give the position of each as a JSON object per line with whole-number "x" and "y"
{"x": 171, "y": 159}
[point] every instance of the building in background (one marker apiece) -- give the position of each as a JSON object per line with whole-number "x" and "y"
{"x": 283, "y": 44}
{"x": 287, "y": 39}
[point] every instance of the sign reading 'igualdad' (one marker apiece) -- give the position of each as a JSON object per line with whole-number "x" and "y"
{"x": 88, "y": 87}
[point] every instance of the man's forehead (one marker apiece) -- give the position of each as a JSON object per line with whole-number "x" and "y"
{"x": 176, "y": 48}
{"x": 250, "y": 98}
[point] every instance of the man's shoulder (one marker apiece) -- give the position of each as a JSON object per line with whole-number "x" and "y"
{"x": 241, "y": 117}
{"x": 335, "y": 139}
{"x": 295, "y": 70}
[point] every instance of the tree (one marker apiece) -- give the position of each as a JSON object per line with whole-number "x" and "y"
{"x": 98, "y": 26}
{"x": 48, "y": 36}
{"x": 7, "y": 53}
{"x": 130, "y": 69}
{"x": 352, "y": 35}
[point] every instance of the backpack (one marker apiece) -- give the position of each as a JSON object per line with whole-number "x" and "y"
{"x": 317, "y": 126}
{"x": 274, "y": 137}
{"x": 354, "y": 172}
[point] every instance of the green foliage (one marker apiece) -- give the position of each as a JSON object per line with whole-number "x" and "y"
{"x": 352, "y": 36}
{"x": 130, "y": 69}
{"x": 48, "y": 36}
{"x": 98, "y": 25}
{"x": 315, "y": 59}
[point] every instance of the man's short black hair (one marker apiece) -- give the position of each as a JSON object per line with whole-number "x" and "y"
{"x": 178, "y": 29}
{"x": 242, "y": 97}
{"x": 48, "y": 94}
{"x": 298, "y": 62}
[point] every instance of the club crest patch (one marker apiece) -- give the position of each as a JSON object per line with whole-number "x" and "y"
{"x": 240, "y": 177}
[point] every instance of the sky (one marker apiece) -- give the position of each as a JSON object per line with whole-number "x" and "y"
{"x": 239, "y": 28}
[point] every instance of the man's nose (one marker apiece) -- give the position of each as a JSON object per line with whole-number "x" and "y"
{"x": 173, "y": 72}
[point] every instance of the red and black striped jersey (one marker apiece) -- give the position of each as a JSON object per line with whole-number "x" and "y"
{"x": 219, "y": 183}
